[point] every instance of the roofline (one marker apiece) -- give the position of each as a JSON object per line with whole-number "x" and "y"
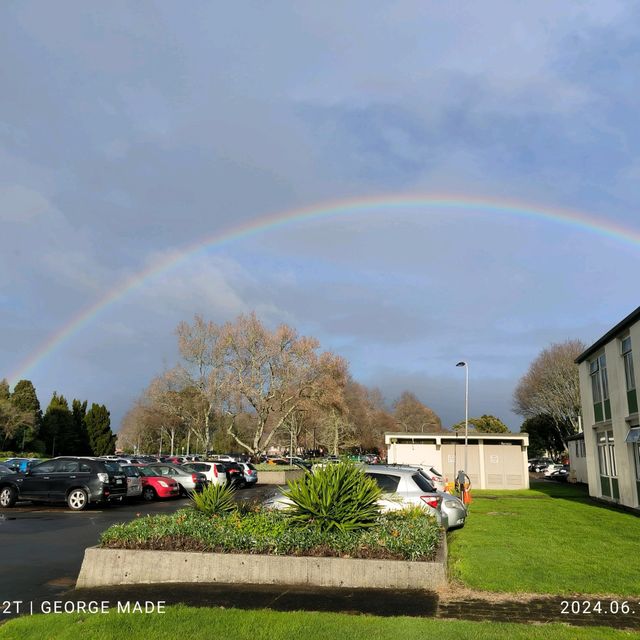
{"x": 459, "y": 436}
{"x": 610, "y": 335}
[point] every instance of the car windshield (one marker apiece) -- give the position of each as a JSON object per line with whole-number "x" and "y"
{"x": 147, "y": 472}
{"x": 112, "y": 467}
{"x": 131, "y": 472}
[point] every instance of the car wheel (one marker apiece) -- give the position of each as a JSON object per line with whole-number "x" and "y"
{"x": 8, "y": 497}
{"x": 149, "y": 494}
{"x": 77, "y": 500}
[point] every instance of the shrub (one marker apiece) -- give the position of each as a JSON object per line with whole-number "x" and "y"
{"x": 214, "y": 500}
{"x": 397, "y": 536}
{"x": 337, "y": 497}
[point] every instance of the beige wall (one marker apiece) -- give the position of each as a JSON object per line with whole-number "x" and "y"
{"x": 619, "y": 423}
{"x": 578, "y": 464}
{"x": 490, "y": 466}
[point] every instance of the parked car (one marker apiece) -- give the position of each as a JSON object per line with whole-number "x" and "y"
{"x": 562, "y": 474}
{"x": 550, "y": 468}
{"x": 235, "y": 473}
{"x": 134, "y": 480}
{"x": 76, "y": 481}
{"x": 156, "y": 486}
{"x": 188, "y": 481}
{"x": 214, "y": 472}
{"x": 401, "y": 487}
{"x": 250, "y": 474}
{"x": 20, "y": 465}
{"x": 452, "y": 506}
{"x": 223, "y": 458}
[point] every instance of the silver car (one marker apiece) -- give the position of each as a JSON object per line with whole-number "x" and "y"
{"x": 400, "y": 488}
{"x": 452, "y": 506}
{"x": 188, "y": 480}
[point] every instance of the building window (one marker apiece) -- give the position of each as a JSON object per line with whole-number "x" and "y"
{"x": 629, "y": 375}
{"x": 608, "y": 467}
{"x": 600, "y": 388}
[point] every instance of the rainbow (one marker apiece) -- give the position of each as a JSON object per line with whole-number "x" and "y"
{"x": 385, "y": 203}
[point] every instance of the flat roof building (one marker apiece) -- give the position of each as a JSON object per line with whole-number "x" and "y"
{"x": 610, "y": 413}
{"x": 495, "y": 460}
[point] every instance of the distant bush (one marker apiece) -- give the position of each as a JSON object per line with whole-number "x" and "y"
{"x": 28, "y": 454}
{"x": 400, "y": 535}
{"x": 335, "y": 497}
{"x": 214, "y": 500}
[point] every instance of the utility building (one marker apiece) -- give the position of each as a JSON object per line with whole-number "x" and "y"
{"x": 495, "y": 460}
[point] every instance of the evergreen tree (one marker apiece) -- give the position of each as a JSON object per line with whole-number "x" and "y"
{"x": 24, "y": 398}
{"x": 58, "y": 428}
{"x": 79, "y": 411}
{"x": 5, "y": 393}
{"x": 101, "y": 438}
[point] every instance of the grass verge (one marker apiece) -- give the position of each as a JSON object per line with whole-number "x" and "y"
{"x": 551, "y": 539}
{"x": 196, "y": 624}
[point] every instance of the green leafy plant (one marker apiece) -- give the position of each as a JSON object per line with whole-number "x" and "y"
{"x": 337, "y": 497}
{"x": 214, "y": 500}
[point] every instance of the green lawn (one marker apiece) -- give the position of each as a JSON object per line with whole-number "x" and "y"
{"x": 550, "y": 539}
{"x": 196, "y": 624}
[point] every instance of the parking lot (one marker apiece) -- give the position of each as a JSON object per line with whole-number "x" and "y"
{"x": 43, "y": 545}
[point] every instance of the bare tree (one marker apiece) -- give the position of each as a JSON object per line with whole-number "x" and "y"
{"x": 271, "y": 374}
{"x": 13, "y": 419}
{"x": 414, "y": 416}
{"x": 551, "y": 387}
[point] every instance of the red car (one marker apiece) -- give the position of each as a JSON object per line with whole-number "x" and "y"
{"x": 156, "y": 486}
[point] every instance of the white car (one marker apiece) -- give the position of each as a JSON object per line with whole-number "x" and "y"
{"x": 551, "y": 468}
{"x": 215, "y": 473}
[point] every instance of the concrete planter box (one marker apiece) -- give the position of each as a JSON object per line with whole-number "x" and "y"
{"x": 106, "y": 567}
{"x": 279, "y": 477}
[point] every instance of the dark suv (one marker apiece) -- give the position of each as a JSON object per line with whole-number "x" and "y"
{"x": 76, "y": 481}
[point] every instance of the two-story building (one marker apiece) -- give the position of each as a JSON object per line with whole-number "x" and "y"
{"x": 610, "y": 413}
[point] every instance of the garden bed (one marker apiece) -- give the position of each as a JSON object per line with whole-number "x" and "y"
{"x": 396, "y": 536}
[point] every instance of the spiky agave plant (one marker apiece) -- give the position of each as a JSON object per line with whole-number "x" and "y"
{"x": 214, "y": 500}
{"x": 337, "y": 497}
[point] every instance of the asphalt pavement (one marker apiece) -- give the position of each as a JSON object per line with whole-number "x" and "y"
{"x": 42, "y": 546}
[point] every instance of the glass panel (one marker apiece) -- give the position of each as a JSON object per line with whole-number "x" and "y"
{"x": 598, "y": 412}
{"x": 626, "y": 345}
{"x": 615, "y": 489}
{"x": 388, "y": 484}
{"x": 605, "y": 486}
{"x": 632, "y": 401}
{"x": 595, "y": 388}
{"x": 630, "y": 375}
{"x": 67, "y": 466}
{"x": 45, "y": 467}
{"x": 612, "y": 461}
{"x": 633, "y": 435}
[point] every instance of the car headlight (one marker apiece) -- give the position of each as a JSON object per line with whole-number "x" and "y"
{"x": 162, "y": 483}
{"x": 452, "y": 504}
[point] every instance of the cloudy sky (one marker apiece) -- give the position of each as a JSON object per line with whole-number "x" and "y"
{"x": 133, "y": 130}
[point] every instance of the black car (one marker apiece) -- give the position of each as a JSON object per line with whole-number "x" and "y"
{"x": 235, "y": 473}
{"x": 76, "y": 481}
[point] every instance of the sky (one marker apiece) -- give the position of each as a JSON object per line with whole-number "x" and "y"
{"x": 130, "y": 132}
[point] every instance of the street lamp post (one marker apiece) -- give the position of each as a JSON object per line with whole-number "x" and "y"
{"x": 466, "y": 410}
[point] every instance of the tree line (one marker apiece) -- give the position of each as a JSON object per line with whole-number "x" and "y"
{"x": 61, "y": 430}
{"x": 242, "y": 387}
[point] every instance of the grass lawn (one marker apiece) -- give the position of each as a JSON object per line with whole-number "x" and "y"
{"x": 549, "y": 539}
{"x": 194, "y": 624}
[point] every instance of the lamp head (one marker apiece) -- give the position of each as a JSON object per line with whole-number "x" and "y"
{"x": 461, "y": 364}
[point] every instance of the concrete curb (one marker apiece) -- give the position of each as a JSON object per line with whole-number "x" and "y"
{"x": 108, "y": 567}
